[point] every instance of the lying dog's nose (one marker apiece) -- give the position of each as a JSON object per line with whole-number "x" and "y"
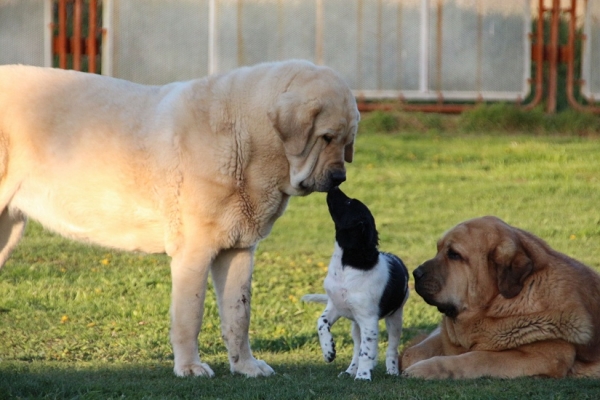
{"x": 418, "y": 273}
{"x": 337, "y": 177}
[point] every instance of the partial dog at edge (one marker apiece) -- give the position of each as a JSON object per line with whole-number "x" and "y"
{"x": 512, "y": 307}
{"x": 199, "y": 170}
{"x": 363, "y": 285}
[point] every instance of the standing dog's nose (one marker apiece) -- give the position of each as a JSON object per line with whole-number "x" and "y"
{"x": 337, "y": 177}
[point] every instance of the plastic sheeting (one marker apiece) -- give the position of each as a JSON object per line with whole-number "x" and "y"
{"x": 416, "y": 49}
{"x": 591, "y": 53}
{"x": 22, "y": 36}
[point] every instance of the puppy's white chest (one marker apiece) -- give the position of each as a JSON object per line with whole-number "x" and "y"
{"x": 340, "y": 285}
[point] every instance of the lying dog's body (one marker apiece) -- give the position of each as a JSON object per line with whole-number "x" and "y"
{"x": 363, "y": 285}
{"x": 513, "y": 307}
{"x": 199, "y": 170}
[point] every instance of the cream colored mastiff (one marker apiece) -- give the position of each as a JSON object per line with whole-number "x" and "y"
{"x": 199, "y": 170}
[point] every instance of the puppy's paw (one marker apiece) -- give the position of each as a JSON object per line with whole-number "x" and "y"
{"x": 351, "y": 369}
{"x": 194, "y": 369}
{"x": 329, "y": 351}
{"x": 363, "y": 375}
{"x": 252, "y": 368}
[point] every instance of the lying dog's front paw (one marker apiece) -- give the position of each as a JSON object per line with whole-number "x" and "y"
{"x": 252, "y": 368}
{"x": 363, "y": 375}
{"x": 194, "y": 369}
{"x": 429, "y": 369}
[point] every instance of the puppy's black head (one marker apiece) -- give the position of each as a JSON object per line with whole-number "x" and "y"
{"x": 354, "y": 223}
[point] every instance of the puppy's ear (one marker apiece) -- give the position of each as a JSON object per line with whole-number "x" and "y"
{"x": 349, "y": 152}
{"x": 513, "y": 266}
{"x": 293, "y": 118}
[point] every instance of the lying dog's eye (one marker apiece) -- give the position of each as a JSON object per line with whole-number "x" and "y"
{"x": 453, "y": 255}
{"x": 327, "y": 138}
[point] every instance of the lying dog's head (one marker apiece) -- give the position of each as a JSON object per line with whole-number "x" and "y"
{"x": 354, "y": 223}
{"x": 316, "y": 118}
{"x": 476, "y": 260}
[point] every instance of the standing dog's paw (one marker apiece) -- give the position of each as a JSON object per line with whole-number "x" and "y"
{"x": 194, "y": 369}
{"x": 363, "y": 375}
{"x": 392, "y": 366}
{"x": 252, "y": 368}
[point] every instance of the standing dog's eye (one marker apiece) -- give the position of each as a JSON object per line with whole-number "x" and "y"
{"x": 327, "y": 138}
{"x": 453, "y": 255}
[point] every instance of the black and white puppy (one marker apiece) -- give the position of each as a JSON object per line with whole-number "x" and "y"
{"x": 363, "y": 285}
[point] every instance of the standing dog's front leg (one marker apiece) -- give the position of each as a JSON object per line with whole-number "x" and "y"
{"x": 232, "y": 275}
{"x": 367, "y": 358}
{"x": 324, "y": 323}
{"x": 189, "y": 275}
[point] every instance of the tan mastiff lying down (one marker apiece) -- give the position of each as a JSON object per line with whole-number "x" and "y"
{"x": 513, "y": 307}
{"x": 199, "y": 170}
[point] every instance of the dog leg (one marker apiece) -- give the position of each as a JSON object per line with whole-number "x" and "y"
{"x": 232, "y": 275}
{"x": 393, "y": 324}
{"x": 189, "y": 274}
{"x": 324, "y": 323}
{"x": 12, "y": 225}
{"x": 553, "y": 358}
{"x": 367, "y": 358}
{"x": 356, "y": 352}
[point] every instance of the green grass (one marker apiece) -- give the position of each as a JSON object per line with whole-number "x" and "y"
{"x": 85, "y": 322}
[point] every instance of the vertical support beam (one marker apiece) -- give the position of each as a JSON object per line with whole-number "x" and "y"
{"x": 91, "y": 39}
{"x": 379, "y": 61}
{"x": 62, "y": 34}
{"x": 553, "y": 57}
{"x": 213, "y": 62}
{"x": 319, "y": 33}
{"x": 107, "y": 37}
{"x": 48, "y": 32}
{"x": 424, "y": 48}
{"x": 76, "y": 40}
{"x": 479, "y": 77}
{"x": 439, "y": 39}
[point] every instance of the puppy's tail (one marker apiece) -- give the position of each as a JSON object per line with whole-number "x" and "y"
{"x": 315, "y": 298}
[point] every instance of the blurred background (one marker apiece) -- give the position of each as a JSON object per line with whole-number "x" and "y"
{"x": 424, "y": 55}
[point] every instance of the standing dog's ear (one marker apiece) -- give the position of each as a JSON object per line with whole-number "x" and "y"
{"x": 349, "y": 152}
{"x": 513, "y": 266}
{"x": 293, "y": 118}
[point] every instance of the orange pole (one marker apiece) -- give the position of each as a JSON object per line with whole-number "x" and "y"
{"x": 539, "y": 57}
{"x": 62, "y": 34}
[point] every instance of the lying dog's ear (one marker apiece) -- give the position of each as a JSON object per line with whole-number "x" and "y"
{"x": 513, "y": 266}
{"x": 293, "y": 118}
{"x": 349, "y": 152}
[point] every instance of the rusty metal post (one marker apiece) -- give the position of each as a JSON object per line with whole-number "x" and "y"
{"x": 553, "y": 57}
{"x": 538, "y": 55}
{"x": 76, "y": 39}
{"x": 91, "y": 39}
{"x": 62, "y": 34}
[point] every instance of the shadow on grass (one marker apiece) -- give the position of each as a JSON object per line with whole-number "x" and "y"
{"x": 298, "y": 379}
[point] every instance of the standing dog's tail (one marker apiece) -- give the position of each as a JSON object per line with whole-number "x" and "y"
{"x": 315, "y": 298}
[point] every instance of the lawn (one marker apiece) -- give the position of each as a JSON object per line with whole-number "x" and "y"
{"x": 78, "y": 321}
